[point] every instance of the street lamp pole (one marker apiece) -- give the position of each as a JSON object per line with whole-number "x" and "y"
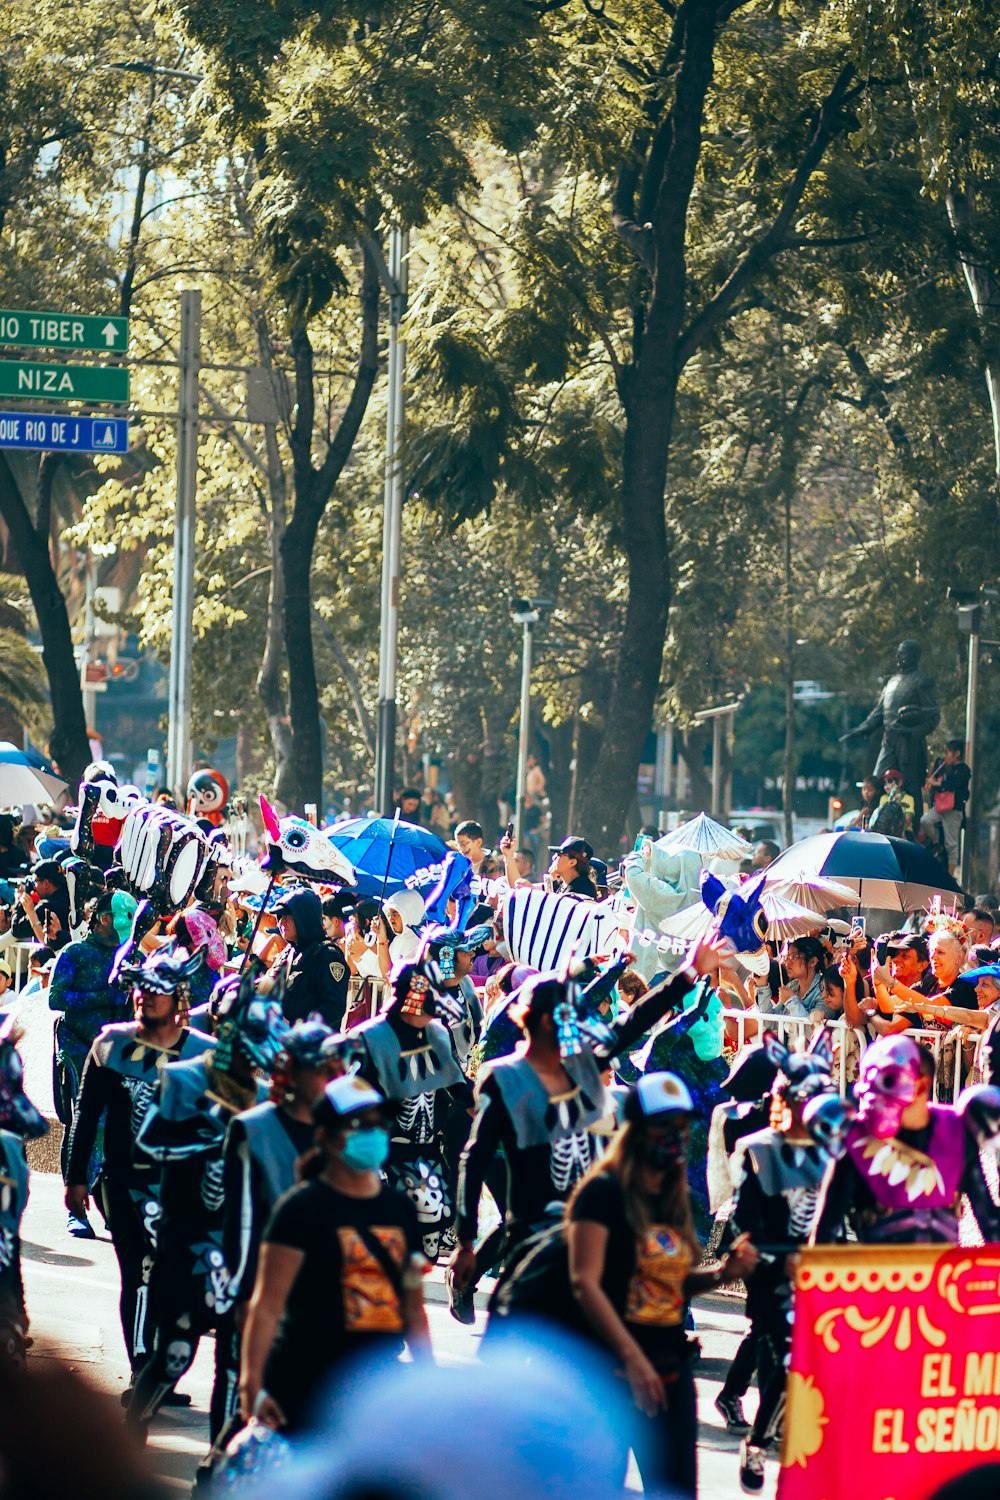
{"x": 528, "y": 623}
{"x": 971, "y": 702}
{"x": 526, "y": 613}
{"x": 182, "y": 630}
{"x": 392, "y": 526}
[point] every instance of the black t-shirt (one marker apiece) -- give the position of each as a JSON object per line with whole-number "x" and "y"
{"x": 342, "y": 1300}
{"x": 643, "y": 1275}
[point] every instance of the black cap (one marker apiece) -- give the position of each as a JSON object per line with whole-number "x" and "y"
{"x": 572, "y": 845}
{"x": 341, "y": 904}
{"x": 910, "y": 942}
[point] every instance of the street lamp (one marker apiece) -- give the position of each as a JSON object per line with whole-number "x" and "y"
{"x": 971, "y": 603}
{"x": 526, "y": 613}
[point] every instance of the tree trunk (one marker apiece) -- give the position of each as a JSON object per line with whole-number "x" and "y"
{"x": 303, "y": 689}
{"x": 68, "y": 743}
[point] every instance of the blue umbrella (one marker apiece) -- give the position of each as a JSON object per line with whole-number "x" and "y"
{"x": 366, "y": 842}
{"x": 23, "y": 777}
{"x": 889, "y": 874}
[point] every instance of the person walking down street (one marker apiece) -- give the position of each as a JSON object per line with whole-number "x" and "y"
{"x": 634, "y": 1266}
{"x": 184, "y": 1132}
{"x": 20, "y": 1121}
{"x": 81, "y": 992}
{"x": 318, "y": 975}
{"x": 119, "y": 1081}
{"x": 409, "y": 1055}
{"x": 540, "y": 1105}
{"x": 262, "y": 1148}
{"x": 341, "y": 1269}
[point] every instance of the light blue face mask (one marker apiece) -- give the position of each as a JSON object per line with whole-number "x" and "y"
{"x": 366, "y": 1150}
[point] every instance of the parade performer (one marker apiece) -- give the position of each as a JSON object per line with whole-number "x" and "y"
{"x": 19, "y": 1121}
{"x": 540, "y": 1105}
{"x": 907, "y": 1162}
{"x": 784, "y": 1170}
{"x": 119, "y": 1080}
{"x": 633, "y": 1265}
{"x": 408, "y": 1054}
{"x": 80, "y": 990}
{"x": 184, "y": 1131}
{"x": 262, "y": 1147}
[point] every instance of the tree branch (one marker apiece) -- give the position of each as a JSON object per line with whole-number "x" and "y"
{"x": 829, "y": 122}
{"x": 365, "y": 726}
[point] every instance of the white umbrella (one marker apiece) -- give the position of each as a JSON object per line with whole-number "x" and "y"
{"x": 20, "y": 784}
{"x": 706, "y": 837}
{"x": 815, "y": 893}
{"x": 785, "y": 919}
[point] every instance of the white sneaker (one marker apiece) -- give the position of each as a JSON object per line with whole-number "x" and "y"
{"x": 751, "y": 1467}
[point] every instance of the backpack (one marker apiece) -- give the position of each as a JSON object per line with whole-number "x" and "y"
{"x": 538, "y": 1283}
{"x": 889, "y": 819}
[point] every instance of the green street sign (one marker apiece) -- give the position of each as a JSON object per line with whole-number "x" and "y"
{"x": 63, "y": 382}
{"x": 51, "y": 330}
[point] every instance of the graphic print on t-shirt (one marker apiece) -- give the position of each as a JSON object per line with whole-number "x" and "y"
{"x": 656, "y": 1289}
{"x": 370, "y": 1302}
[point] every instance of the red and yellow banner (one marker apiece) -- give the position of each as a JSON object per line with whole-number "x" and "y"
{"x": 894, "y": 1384}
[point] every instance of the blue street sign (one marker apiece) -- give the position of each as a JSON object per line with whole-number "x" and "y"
{"x": 63, "y": 434}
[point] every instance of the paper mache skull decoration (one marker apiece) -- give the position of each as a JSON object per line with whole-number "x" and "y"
{"x": 207, "y": 796}
{"x": 295, "y": 846}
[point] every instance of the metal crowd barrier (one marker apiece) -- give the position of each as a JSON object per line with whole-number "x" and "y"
{"x": 802, "y": 1028}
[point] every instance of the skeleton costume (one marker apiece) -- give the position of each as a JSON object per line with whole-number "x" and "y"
{"x": 120, "y": 1078}
{"x": 184, "y": 1131}
{"x": 418, "y": 1071}
{"x": 905, "y": 1186}
{"x": 19, "y": 1121}
{"x": 262, "y": 1147}
{"x": 780, "y": 1191}
{"x": 548, "y": 1140}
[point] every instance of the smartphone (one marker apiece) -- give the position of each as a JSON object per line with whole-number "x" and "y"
{"x": 858, "y": 930}
{"x": 510, "y": 830}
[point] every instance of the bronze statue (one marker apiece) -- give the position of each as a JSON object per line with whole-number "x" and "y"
{"x": 905, "y": 714}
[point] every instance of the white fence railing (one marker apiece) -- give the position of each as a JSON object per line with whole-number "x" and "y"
{"x": 944, "y": 1045}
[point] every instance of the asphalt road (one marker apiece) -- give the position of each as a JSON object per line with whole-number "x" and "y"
{"x": 72, "y": 1294}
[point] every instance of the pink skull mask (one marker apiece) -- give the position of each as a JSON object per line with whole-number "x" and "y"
{"x": 890, "y": 1071}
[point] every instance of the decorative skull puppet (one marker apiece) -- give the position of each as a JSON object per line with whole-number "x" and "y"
{"x": 740, "y": 920}
{"x": 207, "y": 796}
{"x": 165, "y": 857}
{"x": 296, "y": 846}
{"x": 828, "y": 1119}
{"x": 100, "y": 818}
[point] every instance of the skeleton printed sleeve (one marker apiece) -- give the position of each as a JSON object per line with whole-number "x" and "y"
{"x": 483, "y": 1144}
{"x": 91, "y": 1102}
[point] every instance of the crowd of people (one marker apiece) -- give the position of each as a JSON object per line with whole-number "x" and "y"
{"x": 287, "y": 1108}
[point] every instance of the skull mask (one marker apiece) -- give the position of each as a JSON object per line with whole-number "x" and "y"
{"x": 828, "y": 1118}
{"x": 890, "y": 1071}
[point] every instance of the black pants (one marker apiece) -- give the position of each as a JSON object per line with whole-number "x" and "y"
{"x": 665, "y": 1446}
{"x": 740, "y": 1372}
{"x": 183, "y": 1318}
{"x": 131, "y": 1215}
{"x": 774, "y": 1331}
